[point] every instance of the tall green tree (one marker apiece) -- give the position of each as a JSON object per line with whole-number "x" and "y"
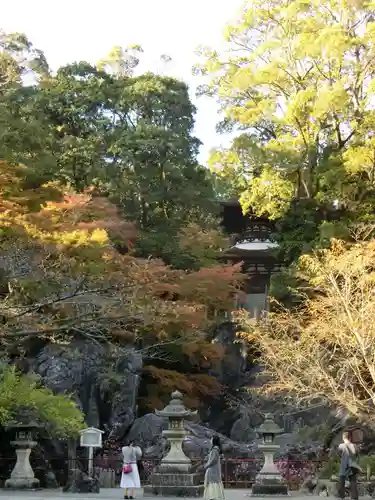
{"x": 129, "y": 135}
{"x": 75, "y": 102}
{"x": 19, "y": 59}
{"x": 24, "y": 128}
{"x": 297, "y": 81}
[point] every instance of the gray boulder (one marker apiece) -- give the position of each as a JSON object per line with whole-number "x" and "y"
{"x": 84, "y": 369}
{"x": 147, "y": 432}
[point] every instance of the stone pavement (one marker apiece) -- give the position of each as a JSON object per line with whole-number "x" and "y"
{"x": 116, "y": 493}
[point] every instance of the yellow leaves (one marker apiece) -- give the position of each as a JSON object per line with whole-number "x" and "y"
{"x": 213, "y": 64}
{"x": 300, "y": 106}
{"x": 99, "y": 236}
{"x": 269, "y": 194}
{"x": 330, "y": 99}
{"x": 224, "y": 162}
{"x": 294, "y": 8}
{"x": 360, "y": 159}
{"x": 334, "y": 40}
{"x": 242, "y": 78}
{"x": 251, "y": 113}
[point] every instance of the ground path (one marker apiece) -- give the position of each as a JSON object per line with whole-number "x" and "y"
{"x": 116, "y": 493}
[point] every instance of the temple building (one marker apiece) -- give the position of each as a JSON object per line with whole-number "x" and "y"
{"x": 251, "y": 243}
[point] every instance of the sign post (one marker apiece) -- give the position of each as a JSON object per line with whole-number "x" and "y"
{"x": 91, "y": 438}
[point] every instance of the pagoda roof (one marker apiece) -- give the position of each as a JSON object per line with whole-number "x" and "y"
{"x": 254, "y": 247}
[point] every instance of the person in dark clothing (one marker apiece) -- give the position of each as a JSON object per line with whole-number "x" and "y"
{"x": 349, "y": 467}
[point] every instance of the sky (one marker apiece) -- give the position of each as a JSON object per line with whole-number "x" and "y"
{"x": 76, "y": 30}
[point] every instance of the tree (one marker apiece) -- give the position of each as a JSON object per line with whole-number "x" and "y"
{"x": 19, "y": 59}
{"x": 24, "y": 133}
{"x": 58, "y": 413}
{"x": 106, "y": 225}
{"x": 75, "y": 104}
{"x": 322, "y": 350}
{"x": 130, "y": 136}
{"x": 121, "y": 62}
{"x": 296, "y": 82}
{"x": 62, "y": 277}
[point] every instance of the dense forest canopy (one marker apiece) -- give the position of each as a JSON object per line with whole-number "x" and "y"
{"x": 108, "y": 227}
{"x": 295, "y": 84}
{"x": 108, "y": 223}
{"x": 296, "y": 87}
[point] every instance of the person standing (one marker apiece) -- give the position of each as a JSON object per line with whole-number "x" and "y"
{"x": 130, "y": 475}
{"x": 213, "y": 485}
{"x": 349, "y": 467}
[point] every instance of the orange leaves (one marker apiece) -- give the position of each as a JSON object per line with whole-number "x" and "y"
{"x": 213, "y": 286}
{"x": 73, "y": 280}
{"x": 170, "y": 379}
{"x": 195, "y": 386}
{"x": 75, "y": 239}
{"x": 203, "y": 354}
{"x": 87, "y": 212}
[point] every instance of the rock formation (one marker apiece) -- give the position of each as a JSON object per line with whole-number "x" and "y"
{"x": 105, "y": 386}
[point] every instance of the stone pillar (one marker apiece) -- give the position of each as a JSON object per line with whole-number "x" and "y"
{"x": 22, "y": 476}
{"x": 176, "y": 458}
{"x": 269, "y": 480}
{"x": 174, "y": 476}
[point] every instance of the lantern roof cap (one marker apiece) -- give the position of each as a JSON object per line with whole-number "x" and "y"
{"x": 269, "y": 426}
{"x": 175, "y": 408}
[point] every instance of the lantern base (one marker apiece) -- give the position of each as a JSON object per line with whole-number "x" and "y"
{"x": 22, "y": 483}
{"x": 269, "y": 487}
{"x": 175, "y": 484}
{"x": 22, "y": 476}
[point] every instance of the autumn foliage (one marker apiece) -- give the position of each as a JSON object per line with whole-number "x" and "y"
{"x": 63, "y": 275}
{"x": 323, "y": 350}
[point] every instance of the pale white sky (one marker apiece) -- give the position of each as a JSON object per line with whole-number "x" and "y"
{"x": 75, "y": 30}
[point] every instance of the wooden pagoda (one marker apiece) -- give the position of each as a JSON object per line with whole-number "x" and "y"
{"x": 252, "y": 244}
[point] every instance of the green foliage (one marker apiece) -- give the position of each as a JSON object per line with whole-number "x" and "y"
{"x": 330, "y": 468}
{"x": 269, "y": 194}
{"x": 283, "y": 286}
{"x": 131, "y": 137}
{"x": 59, "y": 413}
{"x": 190, "y": 247}
{"x": 295, "y": 82}
{"x": 367, "y": 461}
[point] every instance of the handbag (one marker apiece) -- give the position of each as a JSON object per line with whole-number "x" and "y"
{"x": 127, "y": 468}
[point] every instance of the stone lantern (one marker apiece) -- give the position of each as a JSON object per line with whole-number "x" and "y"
{"x": 174, "y": 476}
{"x": 269, "y": 480}
{"x": 22, "y": 476}
{"x": 176, "y": 413}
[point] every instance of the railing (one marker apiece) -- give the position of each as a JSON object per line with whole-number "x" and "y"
{"x": 236, "y": 472}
